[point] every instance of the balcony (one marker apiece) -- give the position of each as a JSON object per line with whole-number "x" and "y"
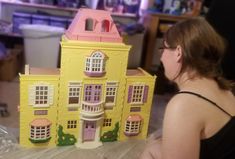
{"x": 92, "y": 111}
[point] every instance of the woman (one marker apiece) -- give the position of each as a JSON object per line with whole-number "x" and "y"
{"x": 199, "y": 121}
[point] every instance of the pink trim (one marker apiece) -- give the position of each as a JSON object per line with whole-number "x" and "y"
{"x": 134, "y": 117}
{"x": 40, "y": 122}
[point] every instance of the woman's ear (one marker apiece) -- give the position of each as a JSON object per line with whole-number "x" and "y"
{"x": 179, "y": 53}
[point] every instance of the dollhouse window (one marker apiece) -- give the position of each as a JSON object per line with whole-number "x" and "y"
{"x": 92, "y": 93}
{"x": 89, "y": 25}
{"x": 40, "y": 130}
{"x": 105, "y": 26}
{"x": 111, "y": 92}
{"x": 72, "y": 124}
{"x": 137, "y": 94}
{"x": 41, "y": 95}
{"x": 74, "y": 93}
{"x": 132, "y": 125}
{"x": 107, "y": 122}
{"x": 95, "y": 64}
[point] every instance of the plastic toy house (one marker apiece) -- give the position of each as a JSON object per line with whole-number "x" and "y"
{"x": 92, "y": 98}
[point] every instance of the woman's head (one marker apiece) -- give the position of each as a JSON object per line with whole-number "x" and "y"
{"x": 198, "y": 47}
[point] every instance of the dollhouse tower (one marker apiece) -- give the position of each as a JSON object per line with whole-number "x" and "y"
{"x": 94, "y": 60}
{"x": 93, "y": 97}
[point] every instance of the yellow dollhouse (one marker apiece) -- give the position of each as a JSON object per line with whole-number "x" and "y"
{"x": 92, "y": 98}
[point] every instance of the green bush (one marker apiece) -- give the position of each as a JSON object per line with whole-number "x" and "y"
{"x": 65, "y": 139}
{"x": 110, "y": 136}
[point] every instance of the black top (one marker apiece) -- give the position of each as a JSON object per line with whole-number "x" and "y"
{"x": 222, "y": 144}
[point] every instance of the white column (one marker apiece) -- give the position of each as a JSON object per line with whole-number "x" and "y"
{"x": 80, "y": 133}
{"x": 97, "y": 132}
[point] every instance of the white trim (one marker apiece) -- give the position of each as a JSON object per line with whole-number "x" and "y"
{"x": 109, "y": 105}
{"x": 92, "y": 104}
{"x": 37, "y": 130}
{"x": 31, "y": 95}
{"x": 131, "y": 127}
{"x": 91, "y": 119}
{"x": 51, "y": 94}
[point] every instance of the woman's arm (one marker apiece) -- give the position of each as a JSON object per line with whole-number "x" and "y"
{"x": 182, "y": 127}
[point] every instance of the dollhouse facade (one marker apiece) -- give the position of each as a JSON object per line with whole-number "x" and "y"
{"x": 92, "y": 98}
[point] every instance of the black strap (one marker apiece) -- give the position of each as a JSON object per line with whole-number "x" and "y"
{"x": 208, "y": 100}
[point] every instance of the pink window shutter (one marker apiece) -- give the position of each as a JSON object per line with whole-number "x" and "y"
{"x": 146, "y": 89}
{"x": 129, "y": 94}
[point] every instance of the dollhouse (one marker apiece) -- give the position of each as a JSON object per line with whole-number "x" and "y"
{"x": 92, "y": 98}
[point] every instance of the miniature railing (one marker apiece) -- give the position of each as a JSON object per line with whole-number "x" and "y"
{"x": 92, "y": 109}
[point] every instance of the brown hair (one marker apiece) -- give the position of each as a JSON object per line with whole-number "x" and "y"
{"x": 203, "y": 48}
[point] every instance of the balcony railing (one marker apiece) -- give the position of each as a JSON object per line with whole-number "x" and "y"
{"x": 92, "y": 109}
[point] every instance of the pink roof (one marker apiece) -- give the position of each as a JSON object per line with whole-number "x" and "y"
{"x": 93, "y": 25}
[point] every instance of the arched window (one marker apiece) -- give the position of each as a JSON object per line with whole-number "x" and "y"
{"x": 105, "y": 26}
{"x": 95, "y": 64}
{"x": 89, "y": 26}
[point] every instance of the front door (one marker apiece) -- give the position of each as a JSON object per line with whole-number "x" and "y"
{"x": 89, "y": 130}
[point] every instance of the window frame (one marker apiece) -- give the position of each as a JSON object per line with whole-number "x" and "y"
{"x": 111, "y": 85}
{"x": 89, "y": 24}
{"x": 72, "y": 124}
{"x": 92, "y": 93}
{"x": 40, "y": 132}
{"x": 132, "y": 128}
{"x": 107, "y": 122}
{"x": 33, "y": 95}
{"x": 41, "y": 91}
{"x": 135, "y": 96}
{"x": 77, "y": 87}
{"x": 105, "y": 26}
{"x": 95, "y": 64}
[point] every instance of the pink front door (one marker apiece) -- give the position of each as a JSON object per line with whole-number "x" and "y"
{"x": 89, "y": 131}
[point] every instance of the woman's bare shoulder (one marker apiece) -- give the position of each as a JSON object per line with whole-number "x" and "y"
{"x": 183, "y": 101}
{"x": 182, "y": 125}
{"x": 185, "y": 105}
